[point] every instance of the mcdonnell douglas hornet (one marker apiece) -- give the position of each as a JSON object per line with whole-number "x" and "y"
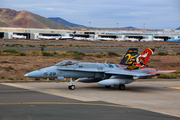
{"x": 131, "y": 68}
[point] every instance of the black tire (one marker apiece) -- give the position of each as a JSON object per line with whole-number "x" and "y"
{"x": 108, "y": 86}
{"x": 122, "y": 87}
{"x": 71, "y": 87}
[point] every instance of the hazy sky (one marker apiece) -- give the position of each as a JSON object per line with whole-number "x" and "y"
{"x": 156, "y": 14}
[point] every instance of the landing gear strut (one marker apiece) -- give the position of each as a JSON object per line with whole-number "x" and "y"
{"x": 121, "y": 87}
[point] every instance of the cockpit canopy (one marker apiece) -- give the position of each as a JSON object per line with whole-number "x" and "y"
{"x": 66, "y": 63}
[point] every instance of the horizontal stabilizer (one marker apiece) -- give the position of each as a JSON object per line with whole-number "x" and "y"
{"x": 161, "y": 72}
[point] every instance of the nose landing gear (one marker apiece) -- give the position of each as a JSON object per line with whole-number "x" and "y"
{"x": 71, "y": 85}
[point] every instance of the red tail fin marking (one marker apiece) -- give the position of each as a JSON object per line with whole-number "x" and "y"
{"x": 142, "y": 59}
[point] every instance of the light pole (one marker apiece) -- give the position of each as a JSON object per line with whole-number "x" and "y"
{"x": 59, "y": 23}
{"x": 117, "y": 28}
{"x": 27, "y": 23}
{"x": 89, "y": 27}
{"x": 27, "y": 29}
{"x": 144, "y": 26}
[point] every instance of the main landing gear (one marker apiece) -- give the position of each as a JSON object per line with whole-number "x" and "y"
{"x": 121, "y": 87}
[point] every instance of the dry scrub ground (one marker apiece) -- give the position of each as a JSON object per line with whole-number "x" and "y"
{"x": 14, "y": 67}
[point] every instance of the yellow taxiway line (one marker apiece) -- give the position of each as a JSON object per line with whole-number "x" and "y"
{"x": 65, "y": 103}
{"x": 174, "y": 88}
{"x": 30, "y": 90}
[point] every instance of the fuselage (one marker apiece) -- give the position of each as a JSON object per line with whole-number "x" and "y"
{"x": 74, "y": 69}
{"x": 59, "y": 70}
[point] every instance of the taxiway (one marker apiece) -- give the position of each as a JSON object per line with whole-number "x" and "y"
{"x": 140, "y": 100}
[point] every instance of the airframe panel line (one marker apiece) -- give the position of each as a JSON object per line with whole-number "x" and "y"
{"x": 50, "y": 92}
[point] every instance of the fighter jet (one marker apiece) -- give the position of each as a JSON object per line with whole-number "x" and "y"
{"x": 131, "y": 68}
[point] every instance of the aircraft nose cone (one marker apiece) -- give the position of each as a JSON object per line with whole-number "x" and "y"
{"x": 34, "y": 74}
{"x": 26, "y": 75}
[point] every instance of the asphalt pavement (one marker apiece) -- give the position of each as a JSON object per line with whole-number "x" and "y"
{"x": 53, "y": 101}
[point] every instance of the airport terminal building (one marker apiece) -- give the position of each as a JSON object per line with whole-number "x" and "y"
{"x": 137, "y": 35}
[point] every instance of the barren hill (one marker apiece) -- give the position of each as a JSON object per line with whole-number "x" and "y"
{"x": 178, "y": 28}
{"x": 64, "y": 22}
{"x": 25, "y": 19}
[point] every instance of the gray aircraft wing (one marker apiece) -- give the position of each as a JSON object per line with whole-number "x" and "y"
{"x": 137, "y": 73}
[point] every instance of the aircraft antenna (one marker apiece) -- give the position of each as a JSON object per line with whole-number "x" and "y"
{"x": 105, "y": 61}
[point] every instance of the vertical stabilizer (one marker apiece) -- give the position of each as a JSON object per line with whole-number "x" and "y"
{"x": 73, "y": 33}
{"x": 153, "y": 37}
{"x": 130, "y": 57}
{"x": 142, "y": 59}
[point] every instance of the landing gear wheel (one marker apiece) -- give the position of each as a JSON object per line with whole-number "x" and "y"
{"x": 122, "y": 87}
{"x": 108, "y": 86}
{"x": 71, "y": 87}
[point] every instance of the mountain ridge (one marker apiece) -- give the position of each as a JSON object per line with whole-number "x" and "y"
{"x": 178, "y": 28}
{"x": 64, "y": 22}
{"x": 25, "y": 19}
